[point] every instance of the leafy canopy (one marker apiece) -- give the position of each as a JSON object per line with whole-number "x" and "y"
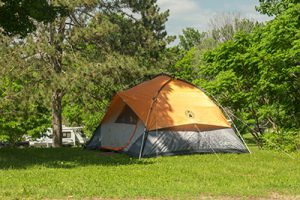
{"x": 19, "y": 17}
{"x": 274, "y": 7}
{"x": 98, "y": 48}
{"x": 257, "y": 75}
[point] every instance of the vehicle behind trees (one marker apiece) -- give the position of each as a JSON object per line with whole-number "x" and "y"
{"x": 71, "y": 136}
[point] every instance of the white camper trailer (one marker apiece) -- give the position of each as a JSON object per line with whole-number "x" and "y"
{"x": 72, "y": 136}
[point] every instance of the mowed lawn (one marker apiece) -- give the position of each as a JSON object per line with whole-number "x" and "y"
{"x": 73, "y": 173}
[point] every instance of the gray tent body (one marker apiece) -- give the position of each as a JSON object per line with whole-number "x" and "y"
{"x": 124, "y": 132}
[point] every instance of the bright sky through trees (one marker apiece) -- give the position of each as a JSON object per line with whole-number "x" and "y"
{"x": 198, "y": 13}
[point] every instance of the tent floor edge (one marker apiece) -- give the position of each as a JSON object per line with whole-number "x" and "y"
{"x": 195, "y": 152}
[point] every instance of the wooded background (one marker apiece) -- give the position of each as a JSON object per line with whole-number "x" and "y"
{"x": 61, "y": 62}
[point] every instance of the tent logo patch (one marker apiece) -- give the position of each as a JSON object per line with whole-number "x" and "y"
{"x": 189, "y": 114}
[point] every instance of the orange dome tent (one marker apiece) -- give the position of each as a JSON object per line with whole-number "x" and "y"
{"x": 165, "y": 116}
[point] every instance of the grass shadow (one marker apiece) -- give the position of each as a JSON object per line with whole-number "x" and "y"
{"x": 66, "y": 158}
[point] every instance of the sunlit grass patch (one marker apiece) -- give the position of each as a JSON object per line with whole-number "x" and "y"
{"x": 77, "y": 173}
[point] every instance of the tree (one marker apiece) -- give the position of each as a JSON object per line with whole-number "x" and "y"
{"x": 86, "y": 102}
{"x": 224, "y": 27}
{"x": 274, "y": 7}
{"x": 190, "y": 37}
{"x": 19, "y": 113}
{"x": 98, "y": 45}
{"x": 20, "y": 117}
{"x": 19, "y": 16}
{"x": 256, "y": 75}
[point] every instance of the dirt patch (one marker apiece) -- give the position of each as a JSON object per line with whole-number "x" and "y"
{"x": 273, "y": 196}
{"x": 270, "y": 197}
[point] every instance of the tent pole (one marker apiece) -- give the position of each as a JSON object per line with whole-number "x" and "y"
{"x": 217, "y": 102}
{"x": 143, "y": 144}
{"x": 148, "y": 115}
{"x": 236, "y": 130}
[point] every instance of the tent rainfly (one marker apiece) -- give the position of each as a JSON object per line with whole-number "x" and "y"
{"x": 165, "y": 116}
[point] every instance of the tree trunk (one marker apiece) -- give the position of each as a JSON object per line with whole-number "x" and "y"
{"x": 57, "y": 117}
{"x": 58, "y": 94}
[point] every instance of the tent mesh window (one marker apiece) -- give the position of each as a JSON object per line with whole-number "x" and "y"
{"x": 127, "y": 116}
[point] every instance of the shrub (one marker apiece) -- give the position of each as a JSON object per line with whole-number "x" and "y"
{"x": 287, "y": 140}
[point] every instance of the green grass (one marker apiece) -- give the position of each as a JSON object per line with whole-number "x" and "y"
{"x": 76, "y": 173}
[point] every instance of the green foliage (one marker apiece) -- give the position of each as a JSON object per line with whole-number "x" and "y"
{"x": 224, "y": 27}
{"x": 102, "y": 47}
{"x": 195, "y": 44}
{"x": 274, "y": 7}
{"x": 22, "y": 108}
{"x": 113, "y": 51}
{"x": 185, "y": 68}
{"x": 282, "y": 140}
{"x": 258, "y": 73}
{"x": 87, "y": 102}
{"x": 190, "y": 37}
{"x": 73, "y": 173}
{"x": 18, "y": 115}
{"x": 99, "y": 48}
{"x": 20, "y": 16}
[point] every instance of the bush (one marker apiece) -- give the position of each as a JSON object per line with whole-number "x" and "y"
{"x": 287, "y": 140}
